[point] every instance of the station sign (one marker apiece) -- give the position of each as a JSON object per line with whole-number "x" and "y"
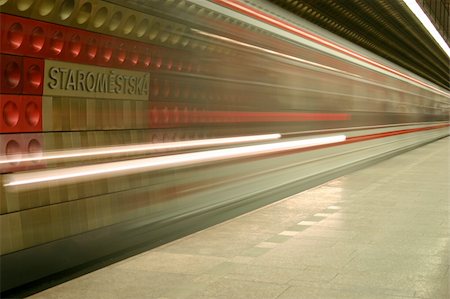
{"x": 80, "y": 80}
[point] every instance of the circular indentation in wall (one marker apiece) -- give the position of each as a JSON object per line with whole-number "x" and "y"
{"x": 66, "y": 9}
{"x": 181, "y": 5}
{"x": 166, "y": 89}
{"x": 134, "y": 56}
{"x": 107, "y": 52}
{"x": 154, "y": 115}
{"x": 75, "y": 45}
{"x": 202, "y": 12}
{"x": 184, "y": 42}
{"x": 34, "y": 146}
{"x": 165, "y": 114}
{"x": 32, "y": 113}
{"x": 178, "y": 65}
{"x": 100, "y": 17}
{"x": 35, "y": 149}
{"x": 158, "y": 62}
{"x": 185, "y": 115}
{"x": 164, "y": 36}
{"x": 115, "y": 21}
{"x": 192, "y": 8}
{"x": 175, "y": 37}
{"x": 212, "y": 14}
{"x": 169, "y": 2}
{"x": 12, "y": 148}
{"x": 176, "y": 115}
{"x": 189, "y": 67}
{"x": 84, "y": 13}
{"x": 155, "y": 88}
{"x": 46, "y": 7}
{"x": 121, "y": 54}
{"x": 92, "y": 48}
{"x": 11, "y": 114}
{"x": 129, "y": 24}
{"x": 34, "y": 76}
{"x": 12, "y": 74}
{"x": 147, "y": 60}
{"x": 176, "y": 91}
{"x": 193, "y": 116}
{"x": 23, "y": 5}
{"x": 142, "y": 28}
{"x": 194, "y": 45}
{"x": 169, "y": 63}
{"x": 57, "y": 43}
{"x": 37, "y": 39}
{"x": 15, "y": 35}
{"x": 154, "y": 31}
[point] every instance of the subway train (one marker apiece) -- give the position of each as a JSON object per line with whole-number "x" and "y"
{"x": 127, "y": 124}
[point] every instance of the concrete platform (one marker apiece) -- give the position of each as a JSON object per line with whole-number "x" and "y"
{"x": 381, "y": 232}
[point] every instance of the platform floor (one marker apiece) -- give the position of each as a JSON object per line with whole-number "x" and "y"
{"x": 381, "y": 232}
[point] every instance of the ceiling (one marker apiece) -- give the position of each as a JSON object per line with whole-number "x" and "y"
{"x": 384, "y": 27}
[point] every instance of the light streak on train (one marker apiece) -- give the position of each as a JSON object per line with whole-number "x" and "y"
{"x": 83, "y": 173}
{"x": 135, "y": 149}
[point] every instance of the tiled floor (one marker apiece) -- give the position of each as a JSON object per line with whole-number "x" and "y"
{"x": 381, "y": 232}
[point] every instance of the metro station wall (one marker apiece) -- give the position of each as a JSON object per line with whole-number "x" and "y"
{"x": 203, "y": 80}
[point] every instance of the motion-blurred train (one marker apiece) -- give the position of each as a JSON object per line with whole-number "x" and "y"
{"x": 128, "y": 123}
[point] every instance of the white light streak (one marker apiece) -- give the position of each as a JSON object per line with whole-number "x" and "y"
{"x": 103, "y": 170}
{"x": 139, "y": 148}
{"x": 423, "y": 18}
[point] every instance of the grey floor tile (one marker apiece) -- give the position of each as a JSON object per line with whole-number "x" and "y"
{"x": 172, "y": 263}
{"x": 64, "y": 293}
{"x": 278, "y": 239}
{"x": 306, "y": 291}
{"x": 438, "y": 289}
{"x": 232, "y": 288}
{"x": 392, "y": 283}
{"x": 255, "y": 251}
{"x": 252, "y": 272}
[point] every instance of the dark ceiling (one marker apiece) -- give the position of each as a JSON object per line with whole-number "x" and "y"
{"x": 384, "y": 27}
